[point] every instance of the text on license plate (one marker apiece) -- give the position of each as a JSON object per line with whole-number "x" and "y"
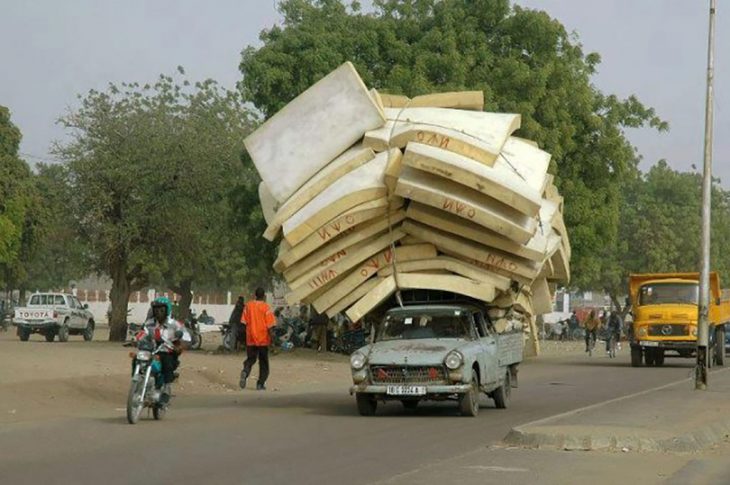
{"x": 648, "y": 343}
{"x": 406, "y": 390}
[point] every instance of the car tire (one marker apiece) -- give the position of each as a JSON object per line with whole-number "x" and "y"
{"x": 469, "y": 401}
{"x": 89, "y": 331}
{"x": 24, "y": 334}
{"x": 50, "y": 336}
{"x": 63, "y": 332}
{"x": 366, "y": 405}
{"x": 502, "y": 394}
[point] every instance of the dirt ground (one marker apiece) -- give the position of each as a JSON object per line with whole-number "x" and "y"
{"x": 45, "y": 381}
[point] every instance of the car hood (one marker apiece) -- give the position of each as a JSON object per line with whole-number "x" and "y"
{"x": 411, "y": 352}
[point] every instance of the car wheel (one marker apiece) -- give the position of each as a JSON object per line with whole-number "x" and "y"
{"x": 63, "y": 332}
{"x": 50, "y": 335}
{"x": 503, "y": 393}
{"x": 469, "y": 401}
{"x": 89, "y": 331}
{"x": 366, "y": 405}
{"x": 24, "y": 334}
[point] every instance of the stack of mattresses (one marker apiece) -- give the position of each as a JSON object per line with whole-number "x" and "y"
{"x": 373, "y": 193}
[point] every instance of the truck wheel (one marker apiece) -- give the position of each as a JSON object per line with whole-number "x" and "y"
{"x": 366, "y": 405}
{"x": 502, "y": 394}
{"x": 636, "y": 356}
{"x": 649, "y": 357}
{"x": 50, "y": 335}
{"x": 720, "y": 345}
{"x": 659, "y": 358}
{"x": 469, "y": 401}
{"x": 63, "y": 332}
{"x": 24, "y": 334}
{"x": 89, "y": 331}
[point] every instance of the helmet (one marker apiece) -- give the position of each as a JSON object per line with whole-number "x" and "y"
{"x": 163, "y": 301}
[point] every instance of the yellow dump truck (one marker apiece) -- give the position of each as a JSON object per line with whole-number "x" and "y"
{"x": 665, "y": 317}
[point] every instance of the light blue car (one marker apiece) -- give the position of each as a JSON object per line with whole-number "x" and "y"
{"x": 436, "y": 352}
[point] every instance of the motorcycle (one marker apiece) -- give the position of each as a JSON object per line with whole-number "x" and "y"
{"x": 142, "y": 390}
{"x": 191, "y": 323}
{"x": 228, "y": 337}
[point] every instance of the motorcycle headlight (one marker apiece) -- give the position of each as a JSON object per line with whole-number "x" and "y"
{"x": 144, "y": 355}
{"x": 357, "y": 361}
{"x": 643, "y": 332}
{"x": 454, "y": 360}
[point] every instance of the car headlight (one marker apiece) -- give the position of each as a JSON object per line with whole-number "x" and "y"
{"x": 643, "y": 332}
{"x": 357, "y": 361}
{"x": 144, "y": 355}
{"x": 454, "y": 360}
{"x": 693, "y": 330}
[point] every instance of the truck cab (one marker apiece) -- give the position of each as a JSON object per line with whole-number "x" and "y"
{"x": 665, "y": 317}
{"x": 436, "y": 352}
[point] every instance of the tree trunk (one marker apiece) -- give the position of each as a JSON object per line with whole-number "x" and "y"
{"x": 186, "y": 298}
{"x": 623, "y": 310}
{"x": 119, "y": 300}
{"x": 21, "y": 297}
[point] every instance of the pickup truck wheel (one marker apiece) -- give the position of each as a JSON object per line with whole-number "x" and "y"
{"x": 502, "y": 394}
{"x": 635, "y": 356}
{"x": 89, "y": 332}
{"x": 50, "y": 335}
{"x": 24, "y": 334}
{"x": 720, "y": 345}
{"x": 366, "y": 405}
{"x": 469, "y": 402}
{"x": 63, "y": 332}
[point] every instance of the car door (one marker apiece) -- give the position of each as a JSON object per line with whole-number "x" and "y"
{"x": 73, "y": 317}
{"x": 488, "y": 340}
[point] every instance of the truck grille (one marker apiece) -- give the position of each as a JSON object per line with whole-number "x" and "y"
{"x": 406, "y": 374}
{"x": 668, "y": 330}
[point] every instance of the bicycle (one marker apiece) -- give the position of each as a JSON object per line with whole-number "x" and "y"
{"x": 612, "y": 342}
{"x": 591, "y": 342}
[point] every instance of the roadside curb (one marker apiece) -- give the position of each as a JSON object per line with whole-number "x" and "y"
{"x": 547, "y": 434}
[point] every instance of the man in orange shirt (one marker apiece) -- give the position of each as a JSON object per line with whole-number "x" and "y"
{"x": 259, "y": 321}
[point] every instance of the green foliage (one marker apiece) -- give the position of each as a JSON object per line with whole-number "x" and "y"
{"x": 523, "y": 60}
{"x": 150, "y": 166}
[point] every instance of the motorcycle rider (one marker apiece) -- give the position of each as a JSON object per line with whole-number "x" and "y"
{"x": 168, "y": 334}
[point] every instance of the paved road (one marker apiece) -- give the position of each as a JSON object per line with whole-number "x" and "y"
{"x": 272, "y": 438}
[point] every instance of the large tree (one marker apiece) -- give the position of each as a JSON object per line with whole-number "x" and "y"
{"x": 523, "y": 60}
{"x": 148, "y": 165}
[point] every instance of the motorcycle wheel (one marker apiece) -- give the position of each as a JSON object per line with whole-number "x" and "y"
{"x": 158, "y": 411}
{"x": 134, "y": 403}
{"x": 229, "y": 341}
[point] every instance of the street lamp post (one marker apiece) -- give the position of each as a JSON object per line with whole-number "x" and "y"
{"x": 704, "y": 300}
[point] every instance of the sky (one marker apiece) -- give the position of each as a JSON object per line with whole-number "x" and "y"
{"x": 51, "y": 51}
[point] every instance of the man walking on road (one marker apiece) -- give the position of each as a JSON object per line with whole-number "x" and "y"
{"x": 259, "y": 320}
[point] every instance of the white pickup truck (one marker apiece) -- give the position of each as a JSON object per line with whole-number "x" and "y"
{"x": 51, "y": 314}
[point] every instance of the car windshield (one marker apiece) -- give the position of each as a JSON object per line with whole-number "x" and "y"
{"x": 421, "y": 325}
{"x": 668, "y": 293}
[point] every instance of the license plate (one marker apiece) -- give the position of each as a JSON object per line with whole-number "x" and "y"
{"x": 406, "y": 390}
{"x": 646, "y": 343}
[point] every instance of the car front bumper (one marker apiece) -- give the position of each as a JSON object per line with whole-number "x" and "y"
{"x": 431, "y": 390}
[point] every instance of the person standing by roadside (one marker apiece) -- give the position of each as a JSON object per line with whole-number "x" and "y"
{"x": 319, "y": 324}
{"x": 237, "y": 326}
{"x": 260, "y": 321}
{"x": 592, "y": 324}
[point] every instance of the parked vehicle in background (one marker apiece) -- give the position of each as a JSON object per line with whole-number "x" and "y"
{"x": 665, "y": 317}
{"x": 54, "y": 314}
{"x": 191, "y": 323}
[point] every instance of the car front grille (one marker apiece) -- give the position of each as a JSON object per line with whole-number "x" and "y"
{"x": 407, "y": 374}
{"x": 668, "y": 330}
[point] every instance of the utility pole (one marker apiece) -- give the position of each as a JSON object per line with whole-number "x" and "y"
{"x": 704, "y": 303}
